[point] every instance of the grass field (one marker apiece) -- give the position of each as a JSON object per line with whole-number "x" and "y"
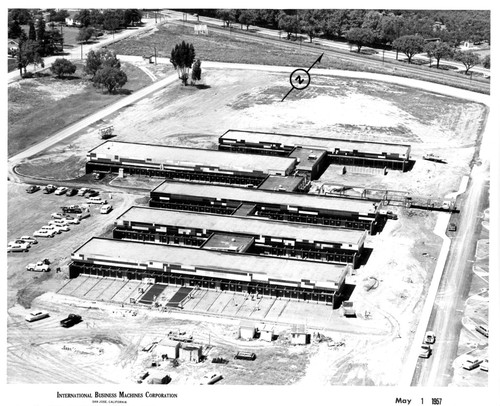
{"x": 42, "y": 106}
{"x": 226, "y": 48}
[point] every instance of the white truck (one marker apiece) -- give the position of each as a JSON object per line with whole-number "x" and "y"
{"x": 40, "y": 266}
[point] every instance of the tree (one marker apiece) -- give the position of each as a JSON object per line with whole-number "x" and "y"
{"x": 62, "y": 67}
{"x": 410, "y": 45}
{"x": 312, "y": 22}
{"x": 21, "y": 15}
{"x": 336, "y": 23}
{"x": 196, "y": 71}
{"x": 226, "y": 15}
{"x": 111, "y": 20}
{"x": 360, "y": 37}
{"x": 486, "y": 62}
{"x": 132, "y": 16}
{"x": 27, "y": 54}
{"x": 438, "y": 50}
{"x": 247, "y": 17}
{"x": 15, "y": 29}
{"x": 182, "y": 57}
{"x": 468, "y": 58}
{"x": 59, "y": 16}
{"x": 84, "y": 34}
{"x": 31, "y": 31}
{"x": 84, "y": 18}
{"x": 290, "y": 24}
{"x": 96, "y": 18}
{"x": 99, "y": 59}
{"x": 110, "y": 78}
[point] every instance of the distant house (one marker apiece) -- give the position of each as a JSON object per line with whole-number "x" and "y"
{"x": 71, "y": 20}
{"x": 438, "y": 26}
{"x": 299, "y": 335}
{"x": 12, "y": 46}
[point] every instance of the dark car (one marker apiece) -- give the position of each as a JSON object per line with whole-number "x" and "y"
{"x": 71, "y": 320}
{"x": 71, "y": 192}
{"x": 32, "y": 189}
{"x": 49, "y": 189}
{"x": 92, "y": 193}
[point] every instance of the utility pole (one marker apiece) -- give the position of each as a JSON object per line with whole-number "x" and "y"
{"x": 155, "y": 54}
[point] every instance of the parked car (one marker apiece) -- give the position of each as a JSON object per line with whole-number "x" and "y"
{"x": 57, "y": 215}
{"x": 49, "y": 189}
{"x": 210, "y": 379}
{"x": 18, "y": 247}
{"x": 61, "y": 227}
{"x": 19, "y": 241}
{"x": 32, "y": 189}
{"x": 51, "y": 228}
{"x": 71, "y": 192}
{"x": 91, "y": 193}
{"x": 71, "y": 220}
{"x": 471, "y": 363}
{"x": 74, "y": 208}
{"x": 82, "y": 191}
{"x": 452, "y": 227}
{"x": 83, "y": 215}
{"x": 96, "y": 200}
{"x": 484, "y": 366}
{"x": 61, "y": 190}
{"x": 40, "y": 266}
{"x": 106, "y": 208}
{"x": 36, "y": 315}
{"x": 27, "y": 238}
{"x": 71, "y": 320}
{"x": 45, "y": 233}
{"x": 61, "y": 221}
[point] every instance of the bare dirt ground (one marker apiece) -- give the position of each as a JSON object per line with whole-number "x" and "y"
{"x": 186, "y": 116}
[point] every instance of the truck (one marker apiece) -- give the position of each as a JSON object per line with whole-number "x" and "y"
{"x": 434, "y": 158}
{"x": 40, "y": 266}
{"x": 71, "y": 320}
{"x": 471, "y": 363}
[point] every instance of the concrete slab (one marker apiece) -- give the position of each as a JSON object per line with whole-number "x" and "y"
{"x": 197, "y": 298}
{"x": 262, "y": 308}
{"x": 126, "y": 291}
{"x": 247, "y": 307}
{"x": 98, "y": 289}
{"x": 307, "y": 313}
{"x": 276, "y": 310}
{"x": 72, "y": 285}
{"x": 220, "y": 303}
{"x": 206, "y": 301}
{"x": 82, "y": 290}
{"x": 113, "y": 289}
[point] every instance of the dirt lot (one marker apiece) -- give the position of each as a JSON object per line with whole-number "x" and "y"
{"x": 188, "y": 116}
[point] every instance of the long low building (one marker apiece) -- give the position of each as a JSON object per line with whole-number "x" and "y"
{"x": 190, "y": 164}
{"x": 289, "y": 206}
{"x": 268, "y": 237}
{"x": 158, "y": 263}
{"x": 340, "y": 151}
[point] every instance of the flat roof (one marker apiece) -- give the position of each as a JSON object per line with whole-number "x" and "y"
{"x": 270, "y": 197}
{"x": 180, "y": 156}
{"x": 242, "y": 225}
{"x": 287, "y": 183}
{"x": 228, "y": 242}
{"x": 327, "y": 143}
{"x": 110, "y": 250}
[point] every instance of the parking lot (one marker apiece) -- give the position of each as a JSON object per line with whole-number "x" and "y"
{"x": 28, "y": 213}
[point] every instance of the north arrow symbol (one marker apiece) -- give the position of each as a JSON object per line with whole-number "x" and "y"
{"x": 299, "y": 79}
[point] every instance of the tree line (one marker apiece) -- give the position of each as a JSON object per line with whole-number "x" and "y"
{"x": 451, "y": 26}
{"x": 435, "y": 32}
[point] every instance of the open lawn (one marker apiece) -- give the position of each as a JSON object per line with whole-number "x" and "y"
{"x": 41, "y": 106}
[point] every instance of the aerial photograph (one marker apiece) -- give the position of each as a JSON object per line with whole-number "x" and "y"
{"x": 250, "y": 198}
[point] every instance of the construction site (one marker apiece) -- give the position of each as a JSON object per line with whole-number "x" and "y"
{"x": 244, "y": 247}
